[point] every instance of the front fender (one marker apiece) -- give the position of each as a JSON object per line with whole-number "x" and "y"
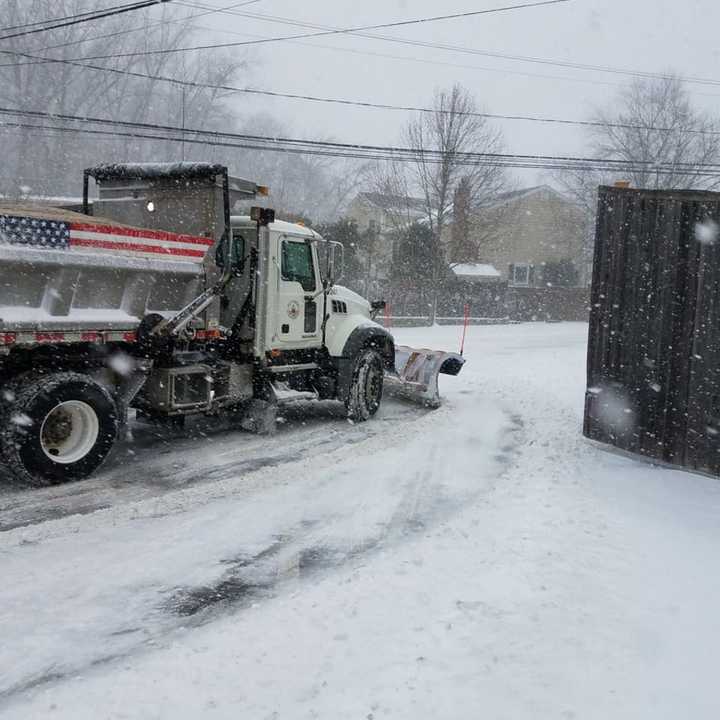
{"x": 366, "y": 336}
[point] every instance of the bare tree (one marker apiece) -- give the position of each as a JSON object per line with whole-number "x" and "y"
{"x": 656, "y": 130}
{"x": 439, "y": 166}
{"x": 49, "y": 159}
{"x": 662, "y": 138}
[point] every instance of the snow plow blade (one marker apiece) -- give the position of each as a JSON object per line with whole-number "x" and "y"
{"x": 416, "y": 373}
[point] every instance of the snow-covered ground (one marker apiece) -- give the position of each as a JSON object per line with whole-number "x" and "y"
{"x": 482, "y": 560}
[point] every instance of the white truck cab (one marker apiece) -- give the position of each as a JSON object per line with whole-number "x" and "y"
{"x": 304, "y": 307}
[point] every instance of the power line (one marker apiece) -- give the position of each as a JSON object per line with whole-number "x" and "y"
{"x": 358, "y": 103}
{"x": 587, "y": 167}
{"x": 328, "y": 30}
{"x": 49, "y": 20}
{"x": 426, "y": 110}
{"x": 466, "y": 50}
{"x": 355, "y": 51}
{"x": 52, "y": 21}
{"x": 45, "y": 60}
{"x": 425, "y": 61}
{"x": 339, "y": 31}
{"x": 388, "y": 106}
{"x": 127, "y": 31}
{"x": 352, "y": 150}
{"x": 88, "y": 17}
{"x": 455, "y": 48}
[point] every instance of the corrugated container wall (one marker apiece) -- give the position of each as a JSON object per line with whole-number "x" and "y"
{"x": 654, "y": 337}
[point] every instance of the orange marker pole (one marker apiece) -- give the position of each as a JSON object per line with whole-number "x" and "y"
{"x": 466, "y": 320}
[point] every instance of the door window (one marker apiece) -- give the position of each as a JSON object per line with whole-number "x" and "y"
{"x": 297, "y": 264}
{"x": 237, "y": 250}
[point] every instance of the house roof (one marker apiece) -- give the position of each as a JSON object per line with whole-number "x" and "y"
{"x": 478, "y": 271}
{"x": 392, "y": 202}
{"x": 512, "y": 195}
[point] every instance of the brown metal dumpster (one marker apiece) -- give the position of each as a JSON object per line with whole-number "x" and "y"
{"x": 653, "y": 363}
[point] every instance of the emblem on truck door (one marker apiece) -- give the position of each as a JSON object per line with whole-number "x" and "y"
{"x": 293, "y": 310}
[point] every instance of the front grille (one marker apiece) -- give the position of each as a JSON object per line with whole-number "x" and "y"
{"x": 310, "y": 316}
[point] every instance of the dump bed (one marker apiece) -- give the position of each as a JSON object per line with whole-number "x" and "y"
{"x": 145, "y": 246}
{"x": 62, "y": 271}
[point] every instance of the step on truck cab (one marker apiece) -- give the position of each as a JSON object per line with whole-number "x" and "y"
{"x": 160, "y": 298}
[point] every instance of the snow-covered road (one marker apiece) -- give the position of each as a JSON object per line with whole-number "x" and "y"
{"x": 482, "y": 560}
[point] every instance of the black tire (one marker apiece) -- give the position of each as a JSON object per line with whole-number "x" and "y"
{"x": 63, "y": 415}
{"x": 366, "y": 385}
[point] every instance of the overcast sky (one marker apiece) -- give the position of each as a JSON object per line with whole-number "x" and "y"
{"x": 638, "y": 35}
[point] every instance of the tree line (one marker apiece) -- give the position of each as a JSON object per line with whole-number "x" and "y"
{"x": 42, "y": 159}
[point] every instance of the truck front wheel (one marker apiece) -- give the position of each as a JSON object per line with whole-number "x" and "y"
{"x": 366, "y": 385}
{"x": 56, "y": 428}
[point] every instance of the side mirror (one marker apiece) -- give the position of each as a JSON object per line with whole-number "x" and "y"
{"x": 376, "y": 306}
{"x": 231, "y": 255}
{"x": 335, "y": 262}
{"x": 221, "y": 252}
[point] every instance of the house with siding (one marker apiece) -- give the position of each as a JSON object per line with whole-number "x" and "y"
{"x": 539, "y": 239}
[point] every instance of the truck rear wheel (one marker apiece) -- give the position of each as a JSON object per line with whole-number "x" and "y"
{"x": 56, "y": 428}
{"x": 366, "y": 385}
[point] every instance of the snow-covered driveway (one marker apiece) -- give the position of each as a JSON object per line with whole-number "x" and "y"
{"x": 482, "y": 560}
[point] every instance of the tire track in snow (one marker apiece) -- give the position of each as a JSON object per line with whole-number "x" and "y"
{"x": 403, "y": 502}
{"x": 226, "y": 453}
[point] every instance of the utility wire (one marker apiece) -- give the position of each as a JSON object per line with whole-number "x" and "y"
{"x": 357, "y": 149}
{"x": 356, "y": 103}
{"x": 425, "y": 61}
{"x": 49, "y": 20}
{"x": 86, "y": 17}
{"x": 461, "y": 49}
{"x": 383, "y": 106}
{"x": 329, "y": 30}
{"x": 586, "y": 167}
{"x": 354, "y": 51}
{"x": 231, "y": 10}
{"x": 323, "y": 33}
{"x": 52, "y": 21}
{"x": 128, "y": 31}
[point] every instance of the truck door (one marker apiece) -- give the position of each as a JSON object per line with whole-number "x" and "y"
{"x": 299, "y": 302}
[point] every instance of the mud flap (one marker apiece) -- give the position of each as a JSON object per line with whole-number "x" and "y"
{"x": 416, "y": 373}
{"x": 260, "y": 417}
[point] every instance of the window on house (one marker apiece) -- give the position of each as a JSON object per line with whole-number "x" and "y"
{"x": 520, "y": 274}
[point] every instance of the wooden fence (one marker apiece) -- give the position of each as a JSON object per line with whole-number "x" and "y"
{"x": 654, "y": 337}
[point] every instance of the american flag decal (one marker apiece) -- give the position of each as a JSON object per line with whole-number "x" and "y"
{"x": 34, "y": 231}
{"x": 95, "y": 237}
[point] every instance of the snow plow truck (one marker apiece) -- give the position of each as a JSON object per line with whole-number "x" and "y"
{"x": 172, "y": 295}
